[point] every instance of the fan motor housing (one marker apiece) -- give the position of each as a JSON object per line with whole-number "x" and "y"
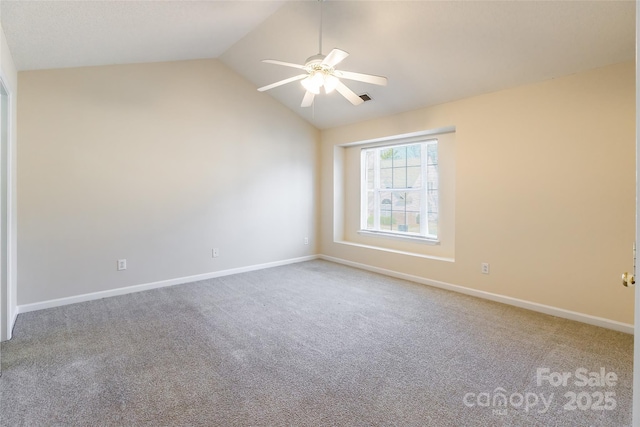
{"x": 315, "y": 59}
{"x": 314, "y": 65}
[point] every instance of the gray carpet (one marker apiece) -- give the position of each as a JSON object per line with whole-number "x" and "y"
{"x": 310, "y": 344}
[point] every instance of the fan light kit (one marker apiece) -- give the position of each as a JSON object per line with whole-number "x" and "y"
{"x": 320, "y": 72}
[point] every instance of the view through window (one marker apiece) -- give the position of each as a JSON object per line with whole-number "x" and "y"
{"x": 400, "y": 189}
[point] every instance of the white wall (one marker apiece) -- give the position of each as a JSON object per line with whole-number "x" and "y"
{"x": 156, "y": 163}
{"x": 544, "y": 192}
{"x": 9, "y": 74}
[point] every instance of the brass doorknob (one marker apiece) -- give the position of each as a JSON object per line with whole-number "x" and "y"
{"x": 628, "y": 279}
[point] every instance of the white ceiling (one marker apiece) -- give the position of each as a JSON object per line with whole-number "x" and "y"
{"x": 60, "y": 34}
{"x": 431, "y": 51}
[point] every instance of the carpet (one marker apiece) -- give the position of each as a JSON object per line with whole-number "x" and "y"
{"x": 310, "y": 344}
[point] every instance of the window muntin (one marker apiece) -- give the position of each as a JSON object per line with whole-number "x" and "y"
{"x": 400, "y": 189}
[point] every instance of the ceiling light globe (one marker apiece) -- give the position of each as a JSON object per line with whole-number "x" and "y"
{"x": 309, "y": 85}
{"x": 330, "y": 83}
{"x": 317, "y": 79}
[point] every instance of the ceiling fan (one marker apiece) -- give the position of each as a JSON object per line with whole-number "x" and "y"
{"x": 320, "y": 72}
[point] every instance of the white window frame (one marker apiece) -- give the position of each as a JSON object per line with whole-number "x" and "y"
{"x": 423, "y": 235}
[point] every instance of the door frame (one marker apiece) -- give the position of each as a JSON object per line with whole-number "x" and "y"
{"x": 7, "y": 296}
{"x": 636, "y": 341}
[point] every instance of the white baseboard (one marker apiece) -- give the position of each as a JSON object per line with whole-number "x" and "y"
{"x": 154, "y": 285}
{"x": 541, "y": 308}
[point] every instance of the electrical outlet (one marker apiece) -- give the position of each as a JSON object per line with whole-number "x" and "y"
{"x": 122, "y": 264}
{"x": 306, "y": 240}
{"x": 484, "y": 267}
{"x": 215, "y": 253}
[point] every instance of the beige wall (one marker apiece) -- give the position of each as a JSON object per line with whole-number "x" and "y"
{"x": 544, "y": 192}
{"x": 142, "y": 162}
{"x": 8, "y": 300}
{"x": 156, "y": 163}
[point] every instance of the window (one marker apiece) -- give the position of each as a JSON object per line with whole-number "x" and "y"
{"x": 400, "y": 189}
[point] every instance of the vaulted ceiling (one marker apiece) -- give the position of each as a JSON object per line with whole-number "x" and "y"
{"x": 431, "y": 51}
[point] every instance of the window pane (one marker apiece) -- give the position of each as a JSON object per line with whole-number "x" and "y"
{"x": 385, "y": 200}
{"x": 414, "y": 155}
{"x": 399, "y": 156}
{"x": 386, "y": 157}
{"x": 406, "y": 190}
{"x": 432, "y": 200}
{"x": 433, "y": 224}
{"x": 399, "y": 201}
{"x": 385, "y": 211}
{"x": 413, "y": 222}
{"x": 370, "y": 209}
{"x": 399, "y": 177}
{"x": 370, "y": 158}
{"x": 414, "y": 177}
{"x": 432, "y": 177}
{"x": 399, "y": 222}
{"x": 413, "y": 201}
{"x": 386, "y": 178}
{"x": 370, "y": 168}
{"x": 432, "y": 154}
{"x": 370, "y": 179}
{"x": 385, "y": 220}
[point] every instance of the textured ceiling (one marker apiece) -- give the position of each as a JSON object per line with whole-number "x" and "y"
{"x": 60, "y": 34}
{"x": 431, "y": 51}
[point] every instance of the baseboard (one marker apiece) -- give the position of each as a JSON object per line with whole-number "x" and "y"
{"x": 541, "y": 308}
{"x": 154, "y": 285}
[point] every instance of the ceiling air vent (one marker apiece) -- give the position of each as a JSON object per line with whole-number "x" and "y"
{"x": 365, "y": 97}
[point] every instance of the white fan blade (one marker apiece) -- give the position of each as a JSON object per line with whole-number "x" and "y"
{"x": 282, "y": 82}
{"x": 286, "y": 64}
{"x": 334, "y": 57}
{"x": 308, "y": 99}
{"x": 367, "y": 78}
{"x": 349, "y": 94}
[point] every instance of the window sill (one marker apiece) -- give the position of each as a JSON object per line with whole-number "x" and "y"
{"x": 394, "y": 251}
{"x": 393, "y": 236}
